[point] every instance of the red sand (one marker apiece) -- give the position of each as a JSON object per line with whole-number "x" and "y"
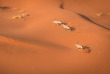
{"x": 34, "y": 45}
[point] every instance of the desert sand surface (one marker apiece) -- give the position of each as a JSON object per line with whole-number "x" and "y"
{"x": 33, "y": 44}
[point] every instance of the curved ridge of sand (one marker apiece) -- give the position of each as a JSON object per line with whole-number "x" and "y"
{"x": 91, "y": 9}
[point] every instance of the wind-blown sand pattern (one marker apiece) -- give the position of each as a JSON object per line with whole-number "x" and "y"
{"x": 35, "y": 45}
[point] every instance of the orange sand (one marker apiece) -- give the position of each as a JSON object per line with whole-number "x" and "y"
{"x": 35, "y": 45}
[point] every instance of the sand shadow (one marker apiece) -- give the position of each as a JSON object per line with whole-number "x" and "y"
{"x": 39, "y": 42}
{"x": 72, "y": 28}
{"x": 87, "y": 48}
{"x": 4, "y": 8}
{"x": 64, "y": 23}
{"x": 62, "y": 5}
{"x": 88, "y": 19}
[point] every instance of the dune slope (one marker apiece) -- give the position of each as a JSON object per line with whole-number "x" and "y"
{"x": 35, "y": 45}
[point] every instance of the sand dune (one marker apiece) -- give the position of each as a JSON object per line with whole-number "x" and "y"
{"x": 33, "y": 44}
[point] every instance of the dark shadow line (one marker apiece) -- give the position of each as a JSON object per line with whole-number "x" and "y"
{"x": 85, "y": 17}
{"x": 62, "y": 5}
{"x": 4, "y": 7}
